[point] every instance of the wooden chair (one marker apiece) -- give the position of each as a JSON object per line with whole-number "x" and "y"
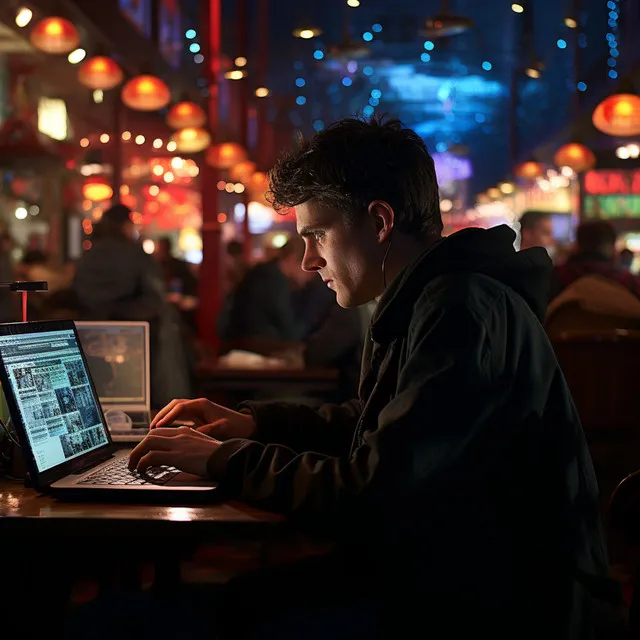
{"x": 601, "y": 369}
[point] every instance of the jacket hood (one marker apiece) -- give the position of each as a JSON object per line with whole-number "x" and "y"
{"x": 482, "y": 251}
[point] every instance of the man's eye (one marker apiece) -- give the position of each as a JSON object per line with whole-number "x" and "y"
{"x": 318, "y": 235}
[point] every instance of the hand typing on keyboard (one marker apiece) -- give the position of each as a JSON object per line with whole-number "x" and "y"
{"x": 182, "y": 448}
{"x": 117, "y": 473}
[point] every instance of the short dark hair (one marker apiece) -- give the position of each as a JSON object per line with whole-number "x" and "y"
{"x": 530, "y": 219}
{"x": 354, "y": 162}
{"x": 595, "y": 236}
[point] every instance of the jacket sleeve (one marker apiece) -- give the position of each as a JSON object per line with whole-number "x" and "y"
{"x": 328, "y": 429}
{"x": 425, "y": 434}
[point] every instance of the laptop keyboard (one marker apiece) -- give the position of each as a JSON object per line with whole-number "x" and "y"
{"x": 117, "y": 473}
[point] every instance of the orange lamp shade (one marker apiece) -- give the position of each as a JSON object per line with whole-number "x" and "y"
{"x": 146, "y": 93}
{"x": 96, "y": 189}
{"x": 575, "y": 156}
{"x": 618, "y": 115}
{"x": 242, "y": 171}
{"x": 529, "y": 170}
{"x": 55, "y": 35}
{"x": 226, "y": 155}
{"x": 100, "y": 72}
{"x": 191, "y": 140}
{"x": 186, "y": 114}
{"x": 258, "y": 185}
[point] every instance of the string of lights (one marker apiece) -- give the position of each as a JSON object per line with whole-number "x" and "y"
{"x": 612, "y": 37}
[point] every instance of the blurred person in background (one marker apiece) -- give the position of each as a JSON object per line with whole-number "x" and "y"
{"x": 235, "y": 265}
{"x": 116, "y": 280}
{"x": 261, "y": 316}
{"x": 625, "y": 259}
{"x": 592, "y": 290}
{"x": 536, "y": 230}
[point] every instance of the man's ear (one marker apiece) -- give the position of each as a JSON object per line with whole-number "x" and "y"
{"x": 383, "y": 217}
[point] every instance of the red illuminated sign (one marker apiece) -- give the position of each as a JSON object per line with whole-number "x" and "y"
{"x": 612, "y": 182}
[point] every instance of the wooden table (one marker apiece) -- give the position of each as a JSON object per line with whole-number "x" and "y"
{"x": 47, "y": 545}
{"x": 230, "y": 386}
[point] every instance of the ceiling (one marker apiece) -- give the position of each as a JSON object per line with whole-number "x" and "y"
{"x": 455, "y": 92}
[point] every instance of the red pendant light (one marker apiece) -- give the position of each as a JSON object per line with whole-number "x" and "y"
{"x": 100, "y": 72}
{"x": 618, "y": 115}
{"x": 529, "y": 170}
{"x": 146, "y": 93}
{"x": 55, "y": 35}
{"x": 242, "y": 171}
{"x": 97, "y": 189}
{"x": 575, "y": 156}
{"x": 186, "y": 114}
{"x": 226, "y": 155}
{"x": 191, "y": 140}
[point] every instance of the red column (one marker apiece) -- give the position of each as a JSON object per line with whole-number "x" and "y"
{"x": 210, "y": 269}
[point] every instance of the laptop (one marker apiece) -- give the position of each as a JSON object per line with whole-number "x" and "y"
{"x": 119, "y": 362}
{"x": 63, "y": 433}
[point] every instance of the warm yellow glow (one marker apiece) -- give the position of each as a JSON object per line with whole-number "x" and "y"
{"x": 229, "y": 187}
{"x": 507, "y": 187}
{"x": 52, "y": 118}
{"x": 446, "y": 205}
{"x": 172, "y": 145}
{"x": 76, "y": 56}
{"x": 126, "y": 136}
{"x": 177, "y": 163}
{"x": 124, "y": 190}
{"x": 104, "y": 138}
{"x": 570, "y": 22}
{"x": 532, "y": 72}
{"x": 279, "y": 240}
{"x": 353, "y": 3}
{"x": 154, "y": 190}
{"x": 493, "y": 193}
{"x": 53, "y": 28}
{"x": 516, "y": 7}
{"x": 140, "y": 139}
{"x": 240, "y": 61}
{"x": 306, "y": 34}
{"x": 84, "y": 142}
{"x": 97, "y": 189}
{"x": 238, "y": 187}
{"x": 157, "y": 143}
{"x": 236, "y": 74}
{"x": 168, "y": 177}
{"x": 23, "y": 17}
{"x": 148, "y": 246}
{"x": 98, "y": 96}
{"x": 262, "y": 92}
{"x": 157, "y": 170}
{"x": 623, "y": 108}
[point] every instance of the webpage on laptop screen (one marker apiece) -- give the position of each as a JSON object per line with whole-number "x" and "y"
{"x": 53, "y": 395}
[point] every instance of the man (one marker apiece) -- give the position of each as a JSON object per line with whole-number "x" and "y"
{"x": 458, "y": 487}
{"x": 595, "y": 255}
{"x": 536, "y": 230}
{"x": 261, "y": 310}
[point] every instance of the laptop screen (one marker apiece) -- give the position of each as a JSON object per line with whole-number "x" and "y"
{"x": 116, "y": 354}
{"x": 52, "y": 391}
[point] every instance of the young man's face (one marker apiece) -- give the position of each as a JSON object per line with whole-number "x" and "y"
{"x": 347, "y": 258}
{"x": 541, "y": 235}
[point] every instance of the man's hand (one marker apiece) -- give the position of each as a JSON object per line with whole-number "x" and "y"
{"x": 183, "y": 448}
{"x": 207, "y": 417}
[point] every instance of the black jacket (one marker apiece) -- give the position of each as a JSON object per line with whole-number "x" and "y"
{"x": 459, "y": 481}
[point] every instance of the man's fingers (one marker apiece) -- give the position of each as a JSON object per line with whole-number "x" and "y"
{"x": 215, "y": 429}
{"x": 153, "y": 442}
{"x": 178, "y": 412}
{"x": 163, "y": 412}
{"x": 155, "y": 459}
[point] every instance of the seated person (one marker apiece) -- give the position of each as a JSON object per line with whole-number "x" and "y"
{"x": 457, "y": 488}
{"x": 261, "y": 315}
{"x": 536, "y": 230}
{"x": 595, "y": 255}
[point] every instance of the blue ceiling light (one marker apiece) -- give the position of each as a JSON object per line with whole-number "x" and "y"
{"x": 347, "y": 82}
{"x": 374, "y": 102}
{"x": 582, "y": 86}
{"x": 368, "y": 71}
{"x": 611, "y": 5}
{"x": 429, "y": 46}
{"x": 561, "y": 44}
{"x": 425, "y": 57}
{"x": 190, "y": 34}
{"x": 376, "y": 28}
{"x": 376, "y": 93}
{"x": 487, "y": 66}
{"x": 480, "y": 118}
{"x": 441, "y": 147}
{"x": 318, "y": 125}
{"x": 612, "y": 38}
{"x": 613, "y": 74}
{"x": 194, "y": 47}
{"x": 318, "y": 55}
{"x": 300, "y": 82}
{"x": 301, "y": 100}
{"x": 367, "y": 36}
{"x": 368, "y": 110}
